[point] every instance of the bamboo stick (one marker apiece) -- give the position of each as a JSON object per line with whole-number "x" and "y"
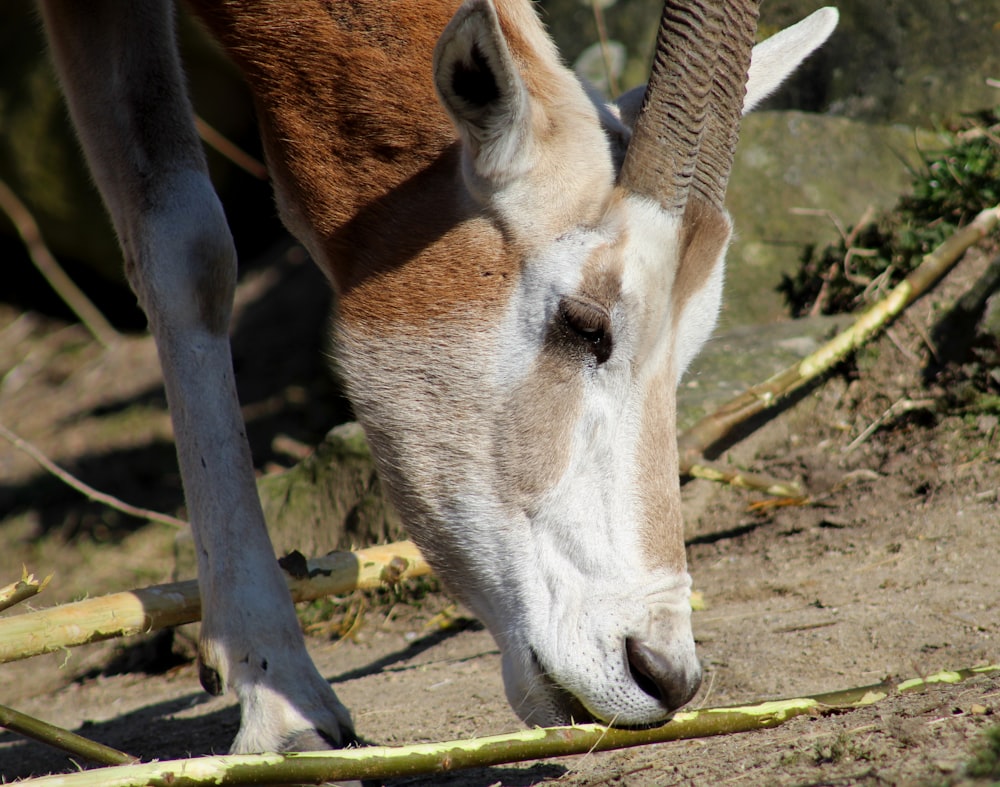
{"x": 49, "y": 734}
{"x": 158, "y": 606}
{"x": 26, "y": 587}
{"x": 381, "y": 762}
{"x": 763, "y": 396}
{"x": 753, "y": 481}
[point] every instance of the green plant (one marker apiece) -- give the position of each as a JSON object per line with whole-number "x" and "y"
{"x": 985, "y": 762}
{"x": 950, "y": 188}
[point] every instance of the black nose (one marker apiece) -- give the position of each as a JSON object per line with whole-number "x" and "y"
{"x": 670, "y": 681}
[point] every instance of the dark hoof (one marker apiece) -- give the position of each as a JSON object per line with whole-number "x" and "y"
{"x": 210, "y": 679}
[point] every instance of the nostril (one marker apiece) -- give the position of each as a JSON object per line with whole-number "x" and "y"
{"x": 668, "y": 683}
{"x": 641, "y": 663}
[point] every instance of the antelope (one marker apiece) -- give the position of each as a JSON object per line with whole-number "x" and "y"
{"x": 523, "y": 273}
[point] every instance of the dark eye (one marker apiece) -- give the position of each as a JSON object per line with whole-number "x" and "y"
{"x": 590, "y": 324}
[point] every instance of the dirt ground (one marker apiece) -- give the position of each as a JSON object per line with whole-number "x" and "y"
{"x": 893, "y": 571}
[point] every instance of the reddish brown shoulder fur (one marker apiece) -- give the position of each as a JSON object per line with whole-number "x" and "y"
{"x": 356, "y": 140}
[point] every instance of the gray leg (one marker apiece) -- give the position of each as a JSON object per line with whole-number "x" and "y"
{"x": 119, "y": 67}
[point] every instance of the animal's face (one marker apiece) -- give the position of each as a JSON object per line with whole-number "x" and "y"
{"x": 517, "y": 382}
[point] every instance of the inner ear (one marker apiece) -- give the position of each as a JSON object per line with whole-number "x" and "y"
{"x": 473, "y": 80}
{"x": 475, "y": 74}
{"x": 480, "y": 86}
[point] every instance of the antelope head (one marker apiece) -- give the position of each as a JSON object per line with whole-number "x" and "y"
{"x": 516, "y": 372}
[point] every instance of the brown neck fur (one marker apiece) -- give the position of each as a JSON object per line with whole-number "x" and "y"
{"x": 363, "y": 158}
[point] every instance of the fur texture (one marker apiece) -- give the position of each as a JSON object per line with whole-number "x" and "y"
{"x": 511, "y": 325}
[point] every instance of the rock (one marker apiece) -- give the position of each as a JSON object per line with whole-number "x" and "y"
{"x": 331, "y": 500}
{"x": 734, "y": 360}
{"x": 916, "y": 62}
{"x": 833, "y": 168}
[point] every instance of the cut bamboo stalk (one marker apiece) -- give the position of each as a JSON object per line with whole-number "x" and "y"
{"x": 60, "y": 738}
{"x": 755, "y": 482}
{"x": 381, "y": 762}
{"x": 26, "y": 587}
{"x": 177, "y": 603}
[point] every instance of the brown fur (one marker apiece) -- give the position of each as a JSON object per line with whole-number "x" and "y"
{"x": 706, "y": 237}
{"x": 662, "y": 531}
{"x": 530, "y": 466}
{"x": 373, "y": 182}
{"x": 363, "y": 158}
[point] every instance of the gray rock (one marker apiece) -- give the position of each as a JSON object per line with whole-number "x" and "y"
{"x": 796, "y": 178}
{"x": 902, "y": 61}
{"x": 331, "y": 500}
{"x": 917, "y": 62}
{"x": 734, "y": 360}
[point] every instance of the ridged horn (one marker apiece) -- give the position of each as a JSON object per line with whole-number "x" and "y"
{"x": 689, "y": 121}
{"x": 725, "y": 103}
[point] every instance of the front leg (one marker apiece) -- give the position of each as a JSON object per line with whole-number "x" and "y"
{"x": 119, "y": 68}
{"x": 250, "y": 638}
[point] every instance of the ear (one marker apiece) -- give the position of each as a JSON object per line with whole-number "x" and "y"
{"x": 480, "y": 87}
{"x": 629, "y": 104}
{"x": 776, "y": 58}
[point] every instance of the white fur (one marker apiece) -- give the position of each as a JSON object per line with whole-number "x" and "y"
{"x": 582, "y": 578}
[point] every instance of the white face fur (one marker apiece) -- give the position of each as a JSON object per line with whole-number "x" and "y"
{"x": 530, "y": 443}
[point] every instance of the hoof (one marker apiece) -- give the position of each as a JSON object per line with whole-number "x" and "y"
{"x": 210, "y": 679}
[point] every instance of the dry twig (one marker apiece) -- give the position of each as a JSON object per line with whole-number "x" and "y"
{"x": 898, "y": 408}
{"x": 614, "y": 89}
{"x": 848, "y": 238}
{"x": 87, "y": 491}
{"x": 43, "y": 259}
{"x": 228, "y": 149}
